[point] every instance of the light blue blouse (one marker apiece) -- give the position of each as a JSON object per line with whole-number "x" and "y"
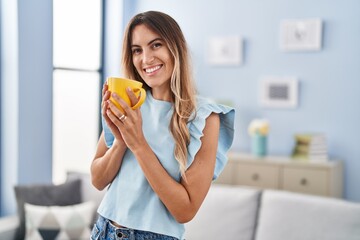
{"x": 129, "y": 200}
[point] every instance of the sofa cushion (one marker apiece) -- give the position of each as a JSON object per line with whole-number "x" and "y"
{"x": 58, "y": 222}
{"x": 8, "y": 227}
{"x": 88, "y": 191}
{"x": 46, "y": 195}
{"x": 295, "y": 216}
{"x": 228, "y": 212}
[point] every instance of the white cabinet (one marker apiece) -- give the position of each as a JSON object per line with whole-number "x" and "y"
{"x": 284, "y": 173}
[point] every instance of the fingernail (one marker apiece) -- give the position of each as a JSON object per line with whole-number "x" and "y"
{"x": 128, "y": 88}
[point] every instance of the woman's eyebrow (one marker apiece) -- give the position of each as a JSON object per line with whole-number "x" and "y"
{"x": 156, "y": 39}
{"x": 149, "y": 43}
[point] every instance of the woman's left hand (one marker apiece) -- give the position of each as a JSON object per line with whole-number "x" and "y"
{"x": 129, "y": 122}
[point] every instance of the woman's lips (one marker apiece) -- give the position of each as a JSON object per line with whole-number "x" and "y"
{"x": 152, "y": 70}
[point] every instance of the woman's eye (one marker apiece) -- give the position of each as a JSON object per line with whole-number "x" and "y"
{"x": 157, "y": 45}
{"x": 136, "y": 51}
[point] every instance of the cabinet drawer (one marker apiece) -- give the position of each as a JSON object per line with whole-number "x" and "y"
{"x": 256, "y": 175}
{"x": 226, "y": 176}
{"x": 312, "y": 181}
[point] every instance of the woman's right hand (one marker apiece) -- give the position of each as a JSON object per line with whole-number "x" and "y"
{"x": 107, "y": 161}
{"x": 104, "y": 107}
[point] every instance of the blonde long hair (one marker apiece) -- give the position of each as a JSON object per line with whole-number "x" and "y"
{"x": 181, "y": 83}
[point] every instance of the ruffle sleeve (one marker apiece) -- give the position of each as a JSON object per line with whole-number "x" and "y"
{"x": 226, "y": 135}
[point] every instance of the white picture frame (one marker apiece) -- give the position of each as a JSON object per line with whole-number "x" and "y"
{"x": 279, "y": 92}
{"x": 225, "y": 51}
{"x": 301, "y": 34}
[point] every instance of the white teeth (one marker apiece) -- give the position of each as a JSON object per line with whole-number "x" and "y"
{"x": 150, "y": 70}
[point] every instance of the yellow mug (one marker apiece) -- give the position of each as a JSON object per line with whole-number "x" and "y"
{"x": 119, "y": 85}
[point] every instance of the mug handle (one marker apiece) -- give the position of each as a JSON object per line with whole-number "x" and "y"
{"x": 142, "y": 97}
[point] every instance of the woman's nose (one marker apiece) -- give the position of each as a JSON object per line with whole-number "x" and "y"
{"x": 148, "y": 57}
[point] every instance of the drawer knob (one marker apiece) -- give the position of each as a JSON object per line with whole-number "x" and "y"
{"x": 303, "y": 181}
{"x": 255, "y": 177}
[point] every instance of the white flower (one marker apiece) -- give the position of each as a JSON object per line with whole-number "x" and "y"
{"x": 259, "y": 126}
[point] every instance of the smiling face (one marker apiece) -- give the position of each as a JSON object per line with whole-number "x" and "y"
{"x": 152, "y": 60}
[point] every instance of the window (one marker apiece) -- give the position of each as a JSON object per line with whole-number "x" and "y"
{"x": 77, "y": 75}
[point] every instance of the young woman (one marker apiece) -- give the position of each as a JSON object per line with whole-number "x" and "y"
{"x": 157, "y": 161}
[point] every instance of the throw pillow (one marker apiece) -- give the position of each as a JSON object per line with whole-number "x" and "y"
{"x": 58, "y": 222}
{"x": 45, "y": 195}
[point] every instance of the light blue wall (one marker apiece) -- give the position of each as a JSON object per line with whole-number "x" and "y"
{"x": 35, "y": 91}
{"x": 329, "y": 79}
{"x": 26, "y": 96}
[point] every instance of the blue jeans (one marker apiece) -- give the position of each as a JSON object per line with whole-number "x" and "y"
{"x": 104, "y": 230}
